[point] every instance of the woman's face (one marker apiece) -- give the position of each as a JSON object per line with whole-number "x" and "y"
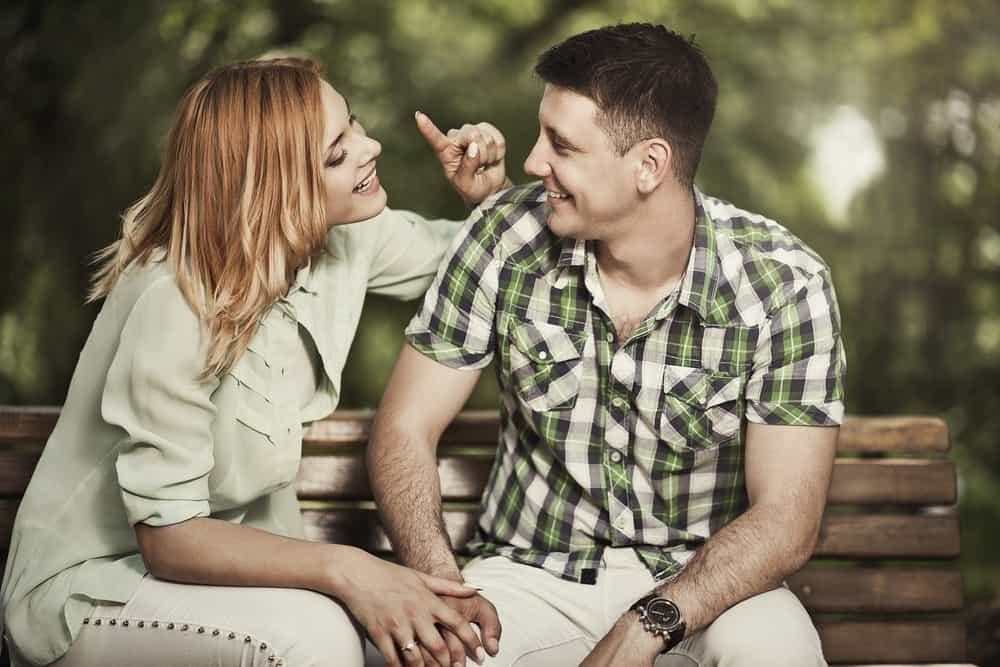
{"x": 353, "y": 191}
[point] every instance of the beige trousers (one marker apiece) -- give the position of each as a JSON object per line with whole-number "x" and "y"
{"x": 549, "y": 622}
{"x": 170, "y": 625}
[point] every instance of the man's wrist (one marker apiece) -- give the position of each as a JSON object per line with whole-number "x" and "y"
{"x": 661, "y": 617}
{"x": 646, "y": 642}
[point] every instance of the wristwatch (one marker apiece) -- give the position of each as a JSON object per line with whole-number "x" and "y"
{"x": 662, "y": 617}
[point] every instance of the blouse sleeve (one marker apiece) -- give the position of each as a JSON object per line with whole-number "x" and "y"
{"x": 153, "y": 394}
{"x": 406, "y": 249}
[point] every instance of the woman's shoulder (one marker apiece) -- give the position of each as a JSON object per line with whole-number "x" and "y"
{"x": 149, "y": 296}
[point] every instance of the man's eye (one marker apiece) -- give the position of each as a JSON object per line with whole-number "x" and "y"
{"x": 559, "y": 149}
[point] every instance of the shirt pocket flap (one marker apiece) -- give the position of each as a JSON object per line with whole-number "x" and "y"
{"x": 546, "y": 343}
{"x": 255, "y": 421}
{"x": 250, "y": 370}
{"x": 701, "y": 387}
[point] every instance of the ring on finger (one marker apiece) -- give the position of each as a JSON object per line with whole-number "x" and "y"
{"x": 410, "y": 646}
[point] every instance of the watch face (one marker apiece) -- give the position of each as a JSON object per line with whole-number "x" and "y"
{"x": 663, "y": 613}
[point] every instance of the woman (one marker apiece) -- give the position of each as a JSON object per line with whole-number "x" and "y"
{"x": 161, "y": 526}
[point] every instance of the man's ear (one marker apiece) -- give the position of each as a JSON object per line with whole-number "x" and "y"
{"x": 655, "y": 159}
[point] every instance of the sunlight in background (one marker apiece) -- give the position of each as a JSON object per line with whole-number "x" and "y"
{"x": 847, "y": 156}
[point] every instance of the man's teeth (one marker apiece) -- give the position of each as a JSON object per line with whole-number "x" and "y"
{"x": 363, "y": 185}
{"x": 557, "y": 195}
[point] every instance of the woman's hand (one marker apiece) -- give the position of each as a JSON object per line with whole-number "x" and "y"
{"x": 397, "y": 606}
{"x": 472, "y": 158}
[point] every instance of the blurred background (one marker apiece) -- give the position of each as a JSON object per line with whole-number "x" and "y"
{"x": 871, "y": 129}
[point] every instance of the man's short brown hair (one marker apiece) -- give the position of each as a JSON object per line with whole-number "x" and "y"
{"x": 647, "y": 82}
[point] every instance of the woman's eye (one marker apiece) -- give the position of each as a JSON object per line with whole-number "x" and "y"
{"x": 337, "y": 160}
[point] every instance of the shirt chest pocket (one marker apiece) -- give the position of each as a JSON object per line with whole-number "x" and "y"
{"x": 698, "y": 408}
{"x": 265, "y": 428}
{"x": 545, "y": 364}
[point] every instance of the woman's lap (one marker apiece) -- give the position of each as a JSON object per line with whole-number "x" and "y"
{"x": 167, "y": 624}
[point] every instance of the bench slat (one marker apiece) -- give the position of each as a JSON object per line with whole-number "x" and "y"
{"x": 463, "y": 476}
{"x": 859, "y": 536}
{"x": 479, "y": 427}
{"x": 893, "y": 481}
{"x": 892, "y": 641}
{"x": 847, "y": 536}
{"x": 888, "y": 536}
{"x": 855, "y": 481}
{"x": 878, "y": 590}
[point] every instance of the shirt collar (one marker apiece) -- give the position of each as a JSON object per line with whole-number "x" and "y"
{"x": 573, "y": 253}
{"x": 303, "y": 280}
{"x": 704, "y": 269}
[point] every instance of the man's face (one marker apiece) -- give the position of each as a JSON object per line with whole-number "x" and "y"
{"x": 590, "y": 186}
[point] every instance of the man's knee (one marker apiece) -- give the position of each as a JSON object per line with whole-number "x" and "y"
{"x": 769, "y": 629}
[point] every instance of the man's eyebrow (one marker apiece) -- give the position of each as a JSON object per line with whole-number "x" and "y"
{"x": 555, "y": 137}
{"x": 340, "y": 136}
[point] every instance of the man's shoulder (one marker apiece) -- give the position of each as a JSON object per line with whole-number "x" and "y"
{"x": 761, "y": 255}
{"x": 512, "y": 224}
{"x": 760, "y": 238}
{"x": 527, "y": 196}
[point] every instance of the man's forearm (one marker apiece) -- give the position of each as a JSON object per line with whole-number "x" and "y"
{"x": 751, "y": 555}
{"x": 407, "y": 490}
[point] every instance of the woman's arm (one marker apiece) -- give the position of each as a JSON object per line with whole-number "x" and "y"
{"x": 164, "y": 460}
{"x": 395, "y": 604}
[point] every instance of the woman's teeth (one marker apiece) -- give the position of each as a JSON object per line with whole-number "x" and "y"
{"x": 557, "y": 195}
{"x": 364, "y": 185}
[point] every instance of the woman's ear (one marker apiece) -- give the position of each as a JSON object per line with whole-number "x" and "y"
{"x": 654, "y": 164}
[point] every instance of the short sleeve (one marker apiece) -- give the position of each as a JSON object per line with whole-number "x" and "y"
{"x": 406, "y": 249}
{"x": 153, "y": 393}
{"x": 799, "y": 363}
{"x": 455, "y": 324}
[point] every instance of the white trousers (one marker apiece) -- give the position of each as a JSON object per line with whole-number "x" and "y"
{"x": 169, "y": 625}
{"x": 549, "y": 622}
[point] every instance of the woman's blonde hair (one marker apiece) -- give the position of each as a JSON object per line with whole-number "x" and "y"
{"x": 239, "y": 204}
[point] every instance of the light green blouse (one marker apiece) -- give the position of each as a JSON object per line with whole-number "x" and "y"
{"x": 140, "y": 439}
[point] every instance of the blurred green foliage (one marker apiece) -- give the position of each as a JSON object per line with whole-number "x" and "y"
{"x": 872, "y": 129}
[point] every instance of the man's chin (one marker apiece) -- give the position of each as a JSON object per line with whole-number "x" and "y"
{"x": 560, "y": 224}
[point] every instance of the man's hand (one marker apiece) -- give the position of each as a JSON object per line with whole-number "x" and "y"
{"x": 476, "y": 610}
{"x": 472, "y": 158}
{"x": 626, "y": 645}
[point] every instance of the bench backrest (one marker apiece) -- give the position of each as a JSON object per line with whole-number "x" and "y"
{"x": 882, "y": 586}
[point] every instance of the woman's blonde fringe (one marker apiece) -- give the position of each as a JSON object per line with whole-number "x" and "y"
{"x": 239, "y": 204}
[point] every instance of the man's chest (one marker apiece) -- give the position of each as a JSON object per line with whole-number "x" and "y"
{"x": 673, "y": 379}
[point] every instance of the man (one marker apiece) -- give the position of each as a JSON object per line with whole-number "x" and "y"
{"x": 671, "y": 376}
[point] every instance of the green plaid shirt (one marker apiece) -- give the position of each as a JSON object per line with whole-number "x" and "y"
{"x": 638, "y": 442}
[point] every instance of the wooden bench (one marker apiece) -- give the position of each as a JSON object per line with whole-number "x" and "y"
{"x": 883, "y": 585}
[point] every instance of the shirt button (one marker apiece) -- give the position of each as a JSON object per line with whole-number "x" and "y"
{"x": 543, "y": 355}
{"x": 618, "y": 402}
{"x": 616, "y": 456}
{"x": 610, "y": 337}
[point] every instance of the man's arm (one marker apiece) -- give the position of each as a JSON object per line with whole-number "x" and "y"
{"x": 788, "y": 471}
{"x": 421, "y": 399}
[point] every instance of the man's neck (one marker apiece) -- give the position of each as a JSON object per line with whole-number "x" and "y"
{"x": 653, "y": 248}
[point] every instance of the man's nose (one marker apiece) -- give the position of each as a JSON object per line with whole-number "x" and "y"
{"x": 535, "y": 164}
